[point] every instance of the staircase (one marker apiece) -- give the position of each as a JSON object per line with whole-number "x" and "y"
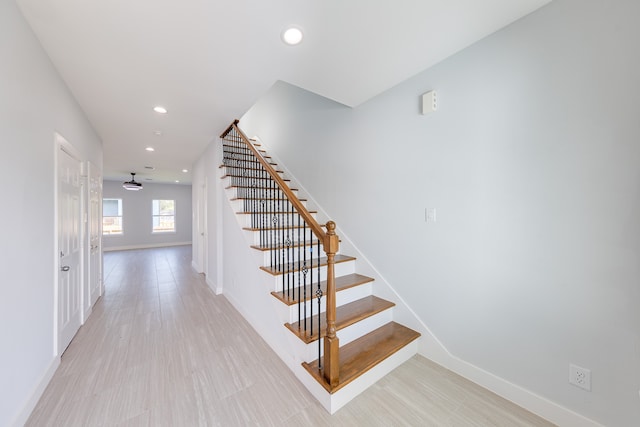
{"x": 316, "y": 289}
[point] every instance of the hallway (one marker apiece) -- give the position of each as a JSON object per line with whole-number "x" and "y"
{"x": 161, "y": 349}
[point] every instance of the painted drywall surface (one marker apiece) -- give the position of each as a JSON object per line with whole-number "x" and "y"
{"x": 531, "y": 162}
{"x": 136, "y": 215}
{"x": 206, "y": 173}
{"x": 34, "y": 103}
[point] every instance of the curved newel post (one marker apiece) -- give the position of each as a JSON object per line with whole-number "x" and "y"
{"x": 331, "y": 357}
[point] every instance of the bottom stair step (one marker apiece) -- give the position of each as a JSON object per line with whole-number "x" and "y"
{"x": 360, "y": 355}
{"x": 346, "y": 315}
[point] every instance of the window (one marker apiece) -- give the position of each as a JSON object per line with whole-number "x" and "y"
{"x": 164, "y": 216}
{"x": 111, "y": 216}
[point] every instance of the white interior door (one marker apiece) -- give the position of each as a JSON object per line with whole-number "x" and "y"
{"x": 70, "y": 249}
{"x": 205, "y": 240}
{"x": 95, "y": 235}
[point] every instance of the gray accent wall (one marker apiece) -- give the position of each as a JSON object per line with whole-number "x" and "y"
{"x": 532, "y": 162}
{"x": 136, "y": 211}
{"x": 34, "y": 103}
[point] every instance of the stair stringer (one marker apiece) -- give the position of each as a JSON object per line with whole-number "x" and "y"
{"x": 248, "y": 289}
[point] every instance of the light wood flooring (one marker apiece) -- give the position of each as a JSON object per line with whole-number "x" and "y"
{"x": 160, "y": 349}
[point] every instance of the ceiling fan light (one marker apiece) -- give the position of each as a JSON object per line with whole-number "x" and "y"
{"x": 132, "y": 185}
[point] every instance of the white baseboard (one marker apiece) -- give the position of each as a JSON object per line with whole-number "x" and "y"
{"x": 21, "y": 418}
{"x": 144, "y": 246}
{"x": 216, "y": 289}
{"x": 522, "y": 397}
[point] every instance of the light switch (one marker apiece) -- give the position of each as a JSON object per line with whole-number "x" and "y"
{"x": 429, "y": 102}
{"x": 430, "y": 215}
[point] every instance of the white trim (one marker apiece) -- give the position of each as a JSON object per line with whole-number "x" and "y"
{"x": 60, "y": 143}
{"x": 21, "y": 418}
{"x": 145, "y": 246}
{"x": 175, "y": 221}
{"x": 216, "y": 289}
{"x": 534, "y": 403}
{"x": 56, "y": 247}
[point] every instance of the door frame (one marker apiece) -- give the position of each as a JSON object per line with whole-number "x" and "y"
{"x": 60, "y": 143}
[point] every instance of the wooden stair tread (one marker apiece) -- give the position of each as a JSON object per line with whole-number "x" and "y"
{"x": 282, "y": 245}
{"x": 253, "y": 177}
{"x": 245, "y": 169}
{"x": 346, "y": 315}
{"x": 288, "y": 227}
{"x": 269, "y": 213}
{"x": 274, "y": 188}
{"x": 244, "y": 161}
{"x": 315, "y": 263}
{"x": 260, "y": 198}
{"x": 232, "y": 153}
{"x": 361, "y": 355}
{"x": 235, "y": 147}
{"x": 343, "y": 282}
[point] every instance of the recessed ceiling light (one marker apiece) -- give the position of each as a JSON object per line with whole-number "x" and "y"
{"x": 185, "y": 170}
{"x": 160, "y": 109}
{"x": 292, "y": 36}
{"x": 151, "y": 168}
{"x": 150, "y": 149}
{"x": 177, "y": 181}
{"x": 157, "y": 133}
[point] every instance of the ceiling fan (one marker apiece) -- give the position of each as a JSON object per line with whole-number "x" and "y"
{"x": 132, "y": 185}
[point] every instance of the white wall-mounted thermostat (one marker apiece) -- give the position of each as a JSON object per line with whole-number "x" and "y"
{"x": 429, "y": 102}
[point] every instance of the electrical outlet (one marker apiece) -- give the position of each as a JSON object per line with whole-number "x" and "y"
{"x": 580, "y": 377}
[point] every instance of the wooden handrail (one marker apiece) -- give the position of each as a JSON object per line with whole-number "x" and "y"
{"x": 304, "y": 213}
{"x": 330, "y": 243}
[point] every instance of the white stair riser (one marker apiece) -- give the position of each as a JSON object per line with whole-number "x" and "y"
{"x": 266, "y": 220}
{"x": 366, "y": 380}
{"x": 343, "y": 297}
{"x": 341, "y": 269}
{"x": 229, "y": 181}
{"x": 277, "y": 236}
{"x": 257, "y": 192}
{"x": 246, "y": 205}
{"x": 235, "y": 177}
{"x": 345, "y": 335}
{"x": 335, "y": 401}
{"x": 285, "y": 256}
{"x": 364, "y": 326}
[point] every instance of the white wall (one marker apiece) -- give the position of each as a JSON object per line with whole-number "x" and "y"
{"x": 34, "y": 102}
{"x": 136, "y": 215}
{"x": 532, "y": 164}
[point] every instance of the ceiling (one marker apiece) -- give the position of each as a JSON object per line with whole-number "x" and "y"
{"x": 207, "y": 61}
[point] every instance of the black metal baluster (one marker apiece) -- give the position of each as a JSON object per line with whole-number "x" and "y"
{"x": 281, "y": 234}
{"x": 319, "y": 296}
{"x": 272, "y": 248}
{"x": 311, "y": 290}
{"x": 305, "y": 270}
{"x": 299, "y": 266}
